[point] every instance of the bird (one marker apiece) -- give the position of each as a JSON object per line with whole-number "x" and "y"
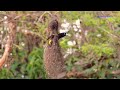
{"x": 53, "y": 59}
{"x": 61, "y": 35}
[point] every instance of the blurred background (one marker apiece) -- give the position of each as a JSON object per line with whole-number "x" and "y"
{"x": 91, "y": 47}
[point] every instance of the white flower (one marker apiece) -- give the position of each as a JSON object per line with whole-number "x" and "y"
{"x": 7, "y": 36}
{"x": 74, "y": 26}
{"x": 70, "y": 51}
{"x": 7, "y": 29}
{"x": 71, "y": 43}
{"x": 75, "y": 29}
{"x": 5, "y": 22}
{"x": 79, "y": 30}
{"x": 23, "y": 44}
{"x": 65, "y": 25}
{"x": 5, "y": 17}
{"x": 5, "y": 65}
{"x": 63, "y": 30}
{"x": 86, "y": 33}
{"x": 110, "y": 67}
{"x": 64, "y": 21}
{"x": 95, "y": 70}
{"x": 74, "y": 42}
{"x": 26, "y": 31}
{"x": 98, "y": 35}
{"x": 22, "y": 76}
{"x": 18, "y": 28}
{"x": 10, "y": 53}
{"x": 68, "y": 34}
{"x": 77, "y": 35}
{"x": 2, "y": 32}
{"x": 78, "y": 26}
{"x": 78, "y": 22}
{"x": 66, "y": 30}
{"x": 65, "y": 55}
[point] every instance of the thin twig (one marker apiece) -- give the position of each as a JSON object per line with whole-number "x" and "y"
{"x": 46, "y": 12}
{"x": 117, "y": 72}
{"x": 28, "y": 32}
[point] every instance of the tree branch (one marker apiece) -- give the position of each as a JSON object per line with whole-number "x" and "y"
{"x": 9, "y": 44}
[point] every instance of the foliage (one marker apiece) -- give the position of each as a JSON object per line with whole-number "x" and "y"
{"x": 98, "y": 50}
{"x": 32, "y": 69}
{"x": 97, "y": 58}
{"x": 36, "y": 64}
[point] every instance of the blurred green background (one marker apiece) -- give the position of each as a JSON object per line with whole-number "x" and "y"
{"x": 91, "y": 47}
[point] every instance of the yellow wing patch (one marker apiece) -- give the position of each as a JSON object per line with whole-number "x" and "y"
{"x": 49, "y": 42}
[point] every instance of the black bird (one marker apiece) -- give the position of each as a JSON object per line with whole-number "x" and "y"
{"x": 61, "y": 35}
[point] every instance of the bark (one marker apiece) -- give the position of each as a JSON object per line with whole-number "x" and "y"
{"x": 83, "y": 39}
{"x": 118, "y": 52}
{"x": 9, "y": 44}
